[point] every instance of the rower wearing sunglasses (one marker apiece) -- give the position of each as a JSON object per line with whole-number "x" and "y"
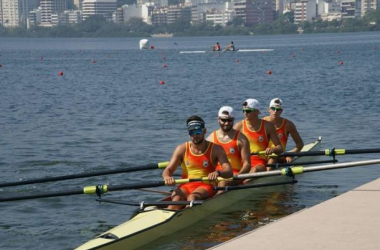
{"x": 284, "y": 127}
{"x": 234, "y": 143}
{"x": 259, "y": 132}
{"x": 198, "y": 158}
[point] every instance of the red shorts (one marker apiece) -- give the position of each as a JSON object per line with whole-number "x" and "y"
{"x": 255, "y": 160}
{"x": 191, "y": 186}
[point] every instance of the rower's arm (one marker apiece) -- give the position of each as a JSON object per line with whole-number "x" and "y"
{"x": 173, "y": 164}
{"x": 221, "y": 157}
{"x": 295, "y": 136}
{"x": 271, "y": 131}
{"x": 245, "y": 154}
{"x": 291, "y": 128}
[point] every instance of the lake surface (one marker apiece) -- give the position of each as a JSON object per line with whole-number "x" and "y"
{"x": 109, "y": 111}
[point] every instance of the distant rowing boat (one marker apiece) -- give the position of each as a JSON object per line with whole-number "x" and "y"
{"x": 239, "y": 50}
{"x": 152, "y": 222}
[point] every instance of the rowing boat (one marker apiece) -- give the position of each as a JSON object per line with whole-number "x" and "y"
{"x": 238, "y": 50}
{"x": 153, "y": 222}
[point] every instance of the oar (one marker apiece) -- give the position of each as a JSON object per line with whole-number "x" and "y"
{"x": 326, "y": 152}
{"x": 300, "y": 170}
{"x": 228, "y": 188}
{"x": 300, "y": 163}
{"x": 83, "y": 175}
{"x": 99, "y": 189}
{"x": 153, "y": 203}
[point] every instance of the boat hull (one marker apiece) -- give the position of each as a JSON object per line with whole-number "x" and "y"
{"x": 154, "y": 223}
{"x": 239, "y": 50}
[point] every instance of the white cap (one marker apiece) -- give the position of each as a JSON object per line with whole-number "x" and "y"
{"x": 252, "y": 104}
{"x": 226, "y": 112}
{"x": 276, "y": 102}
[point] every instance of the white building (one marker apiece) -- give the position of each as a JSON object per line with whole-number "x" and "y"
{"x": 198, "y": 12}
{"x": 220, "y": 17}
{"x": 98, "y": 7}
{"x": 138, "y": 11}
{"x": 13, "y": 13}
{"x": 34, "y": 18}
{"x": 50, "y": 7}
{"x": 158, "y": 3}
{"x": 306, "y": 10}
{"x": 368, "y": 5}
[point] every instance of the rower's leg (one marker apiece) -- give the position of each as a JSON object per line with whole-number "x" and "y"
{"x": 199, "y": 193}
{"x": 177, "y": 195}
{"x": 271, "y": 161}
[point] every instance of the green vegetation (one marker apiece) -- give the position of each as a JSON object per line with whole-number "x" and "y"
{"x": 96, "y": 26}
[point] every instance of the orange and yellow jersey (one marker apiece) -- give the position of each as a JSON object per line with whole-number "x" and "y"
{"x": 258, "y": 140}
{"x": 196, "y": 166}
{"x": 232, "y": 151}
{"x": 281, "y": 133}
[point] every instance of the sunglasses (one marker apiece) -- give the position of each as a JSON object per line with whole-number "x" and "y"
{"x": 226, "y": 120}
{"x": 276, "y": 109}
{"x": 247, "y": 111}
{"x": 195, "y": 132}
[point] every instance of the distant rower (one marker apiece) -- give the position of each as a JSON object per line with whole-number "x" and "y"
{"x": 230, "y": 47}
{"x": 216, "y": 47}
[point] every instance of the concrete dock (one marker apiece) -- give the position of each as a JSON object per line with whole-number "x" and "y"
{"x": 350, "y": 221}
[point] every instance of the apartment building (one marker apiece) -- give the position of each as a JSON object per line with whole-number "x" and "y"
{"x": 98, "y": 7}
{"x": 49, "y": 8}
{"x": 305, "y": 10}
{"x": 13, "y": 13}
{"x": 351, "y": 8}
{"x": 254, "y": 12}
{"x": 368, "y": 5}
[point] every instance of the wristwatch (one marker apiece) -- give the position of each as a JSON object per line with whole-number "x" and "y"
{"x": 219, "y": 173}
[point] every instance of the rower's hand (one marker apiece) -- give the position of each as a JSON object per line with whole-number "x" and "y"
{"x": 213, "y": 176}
{"x": 269, "y": 151}
{"x": 288, "y": 159}
{"x": 169, "y": 181}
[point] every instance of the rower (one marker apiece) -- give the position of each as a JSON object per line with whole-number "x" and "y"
{"x": 216, "y": 47}
{"x": 198, "y": 158}
{"x": 230, "y": 47}
{"x": 234, "y": 143}
{"x": 284, "y": 127}
{"x": 259, "y": 132}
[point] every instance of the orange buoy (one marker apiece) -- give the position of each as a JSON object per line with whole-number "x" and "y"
{"x": 60, "y": 73}
{"x": 237, "y": 60}
{"x": 269, "y": 72}
{"x": 340, "y": 63}
{"x": 162, "y": 82}
{"x": 151, "y": 46}
{"x": 164, "y": 66}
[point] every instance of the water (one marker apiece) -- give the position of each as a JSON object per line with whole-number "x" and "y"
{"x": 115, "y": 113}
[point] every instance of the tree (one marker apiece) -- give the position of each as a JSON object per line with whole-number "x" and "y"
{"x": 237, "y": 21}
{"x": 92, "y": 24}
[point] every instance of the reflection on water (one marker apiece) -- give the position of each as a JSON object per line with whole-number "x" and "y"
{"x": 233, "y": 221}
